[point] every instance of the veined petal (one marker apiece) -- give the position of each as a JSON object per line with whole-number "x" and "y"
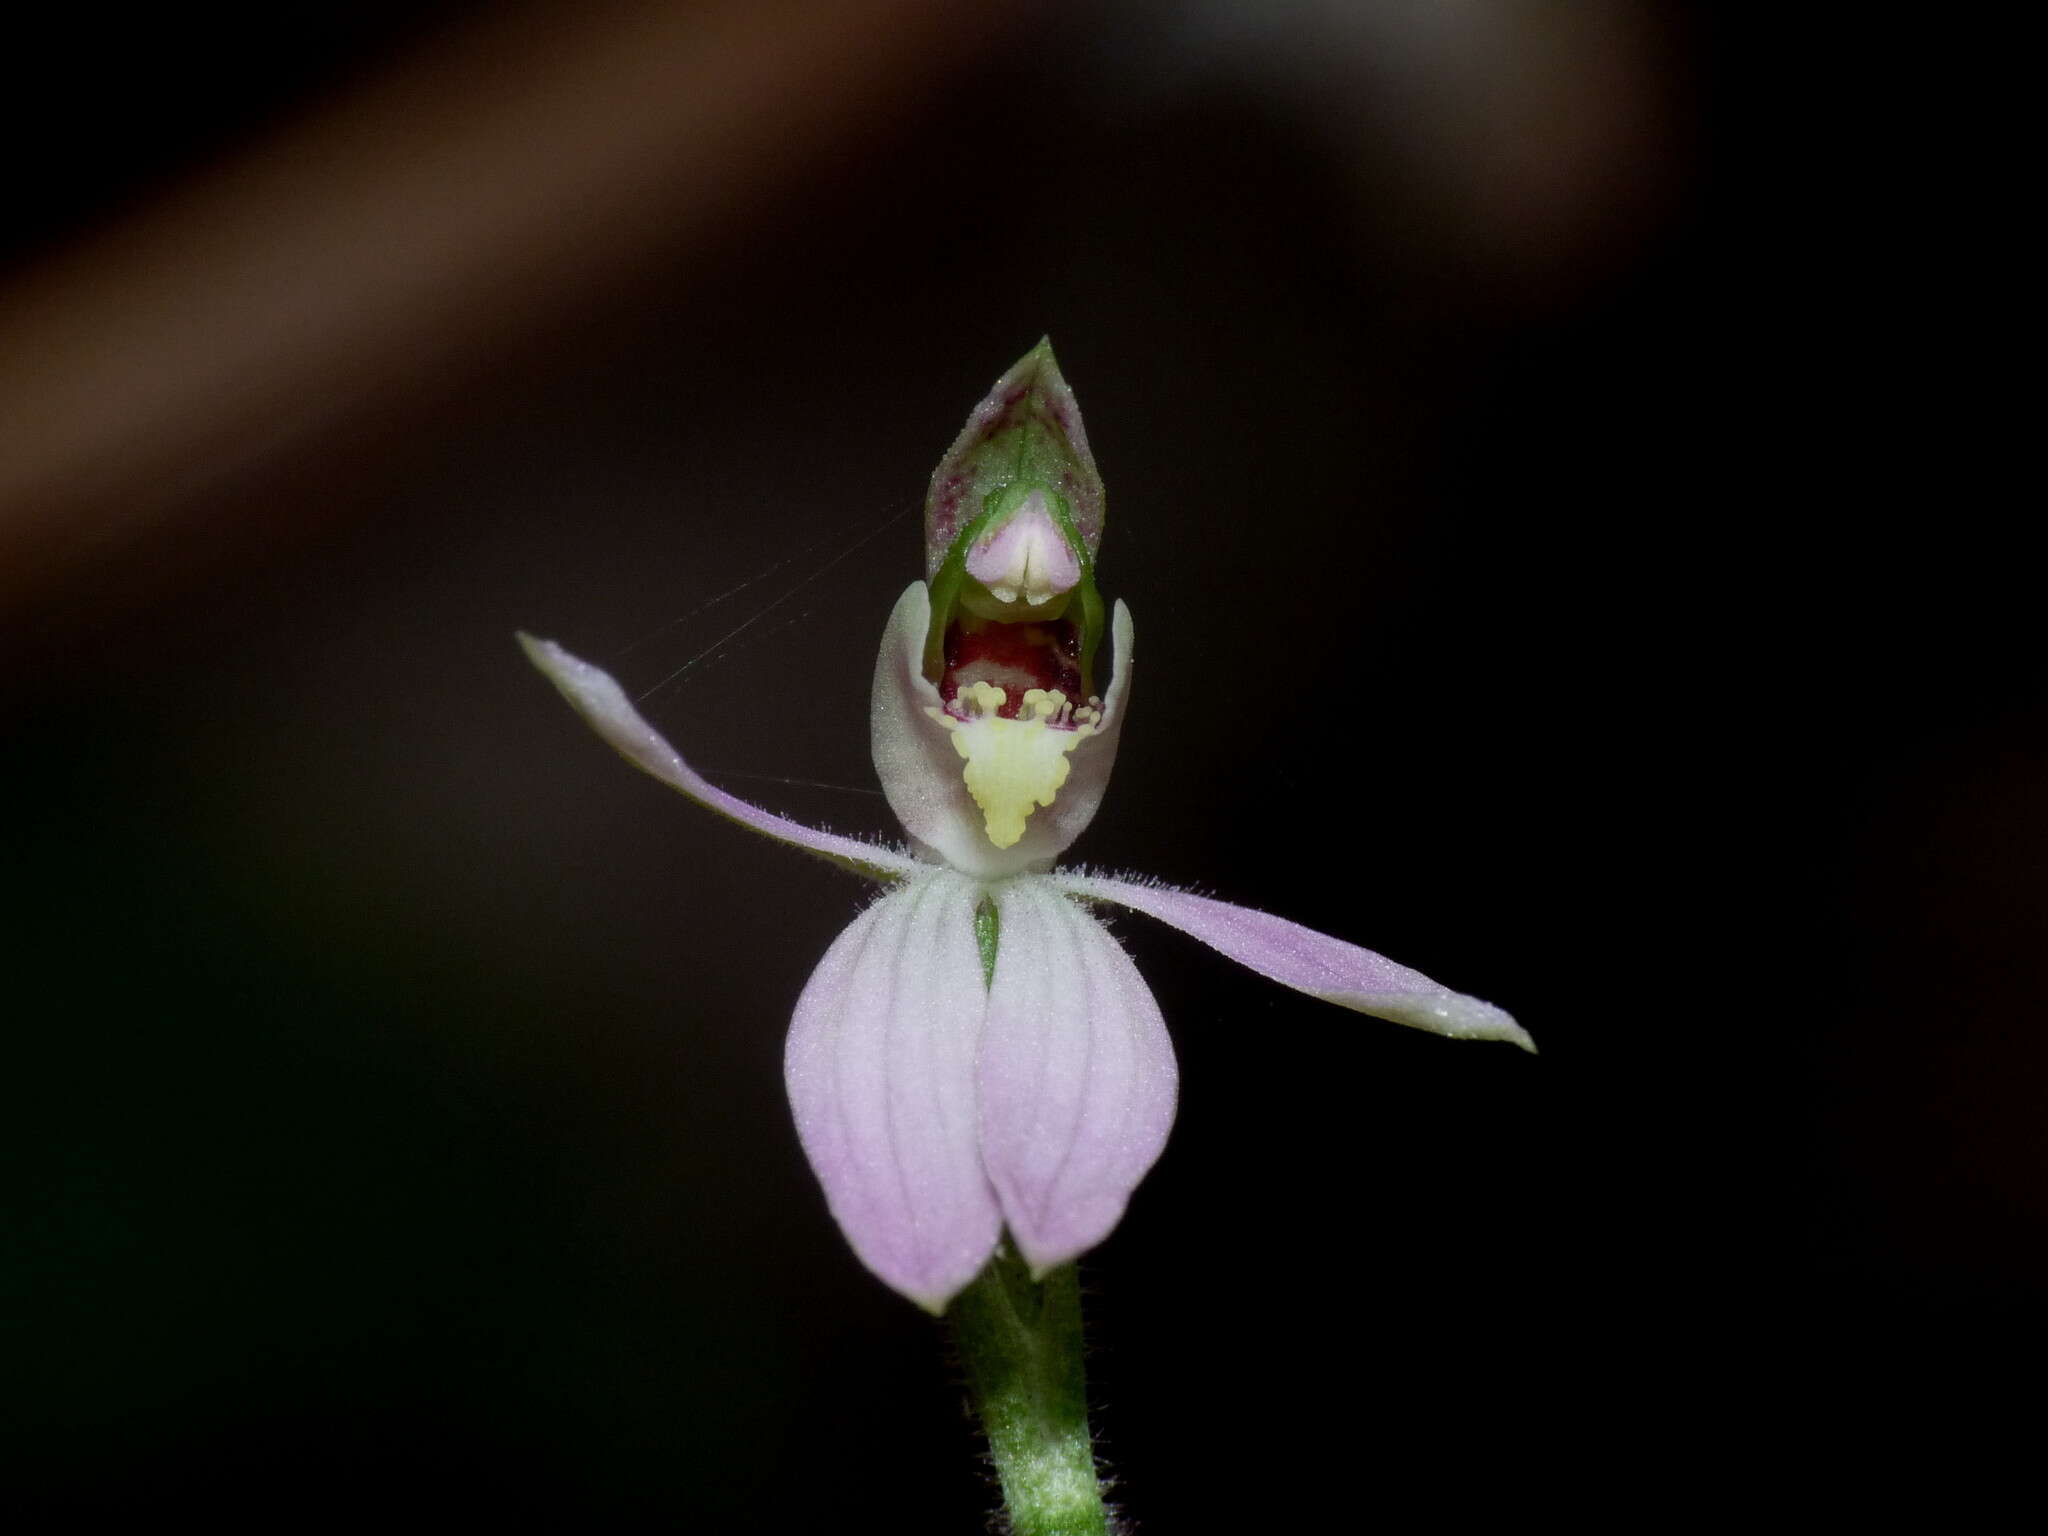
{"x": 881, "y": 1073}
{"x": 924, "y": 777}
{"x": 597, "y": 696}
{"x": 1078, "y": 1080}
{"x": 1311, "y": 962}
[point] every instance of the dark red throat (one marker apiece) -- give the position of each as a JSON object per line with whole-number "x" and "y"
{"x": 1013, "y": 657}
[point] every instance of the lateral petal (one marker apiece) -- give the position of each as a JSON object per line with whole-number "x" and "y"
{"x": 1310, "y": 962}
{"x": 921, "y": 771}
{"x": 1081, "y": 796}
{"x": 596, "y": 695}
{"x": 880, "y": 1067}
{"x": 1078, "y": 1081}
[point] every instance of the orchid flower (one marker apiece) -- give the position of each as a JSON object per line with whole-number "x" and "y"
{"x": 976, "y": 1053}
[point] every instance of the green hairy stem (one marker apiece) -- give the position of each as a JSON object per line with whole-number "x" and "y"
{"x": 1021, "y": 1342}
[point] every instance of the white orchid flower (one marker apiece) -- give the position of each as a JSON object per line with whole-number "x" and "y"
{"x": 976, "y": 1053}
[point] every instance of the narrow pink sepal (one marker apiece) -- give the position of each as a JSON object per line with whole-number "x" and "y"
{"x": 1078, "y": 1081}
{"x": 596, "y": 696}
{"x": 1311, "y": 962}
{"x": 920, "y": 769}
{"x": 880, "y": 1067}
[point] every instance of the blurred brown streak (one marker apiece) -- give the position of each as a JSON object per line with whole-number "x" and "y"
{"x": 161, "y": 385}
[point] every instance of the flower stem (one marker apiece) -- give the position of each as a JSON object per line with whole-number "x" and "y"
{"x": 1021, "y": 1342}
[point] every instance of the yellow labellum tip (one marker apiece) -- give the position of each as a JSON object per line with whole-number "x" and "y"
{"x": 1012, "y": 766}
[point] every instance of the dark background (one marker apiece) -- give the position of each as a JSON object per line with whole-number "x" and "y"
{"x": 394, "y": 1110}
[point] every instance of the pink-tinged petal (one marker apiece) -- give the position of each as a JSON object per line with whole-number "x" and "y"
{"x": 1078, "y": 1080}
{"x": 596, "y": 696}
{"x": 1027, "y": 557}
{"x": 1311, "y": 962}
{"x": 880, "y": 1066}
{"x": 921, "y": 769}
